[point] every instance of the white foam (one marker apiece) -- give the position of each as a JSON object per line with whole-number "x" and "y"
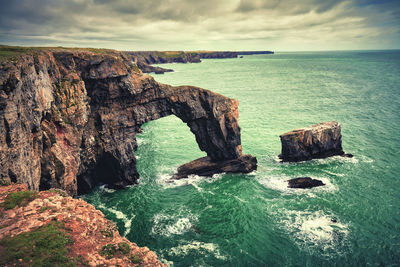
{"x": 165, "y": 180}
{"x": 328, "y": 160}
{"x": 200, "y": 247}
{"x": 314, "y": 229}
{"x": 141, "y": 141}
{"x": 105, "y": 189}
{"x": 121, "y": 216}
{"x": 167, "y": 225}
{"x": 280, "y": 183}
{"x": 334, "y": 174}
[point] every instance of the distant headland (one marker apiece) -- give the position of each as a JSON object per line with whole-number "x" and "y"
{"x": 145, "y": 58}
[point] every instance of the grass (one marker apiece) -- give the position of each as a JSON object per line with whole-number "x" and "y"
{"x": 136, "y": 259}
{"x": 59, "y": 191}
{"x": 108, "y": 251}
{"x": 124, "y": 248}
{"x": 13, "y": 52}
{"x": 42, "y": 209}
{"x": 111, "y": 250}
{"x": 45, "y": 246}
{"x": 171, "y": 54}
{"x": 19, "y": 199}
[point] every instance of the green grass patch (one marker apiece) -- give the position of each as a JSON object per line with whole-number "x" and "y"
{"x": 59, "y": 191}
{"x": 111, "y": 250}
{"x": 124, "y": 248}
{"x": 9, "y": 53}
{"x": 19, "y": 199}
{"x": 108, "y": 251}
{"x": 42, "y": 209}
{"x": 171, "y": 54}
{"x": 45, "y": 246}
{"x": 136, "y": 258}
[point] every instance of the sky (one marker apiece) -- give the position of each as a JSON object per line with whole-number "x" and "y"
{"x": 278, "y": 25}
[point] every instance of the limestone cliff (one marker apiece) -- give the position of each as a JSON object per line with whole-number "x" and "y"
{"x": 69, "y": 118}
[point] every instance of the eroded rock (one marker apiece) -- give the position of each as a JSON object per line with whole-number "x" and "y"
{"x": 207, "y": 167}
{"x": 69, "y": 119}
{"x": 304, "y": 182}
{"x": 317, "y": 141}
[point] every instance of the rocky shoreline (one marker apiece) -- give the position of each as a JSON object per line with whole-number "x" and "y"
{"x": 144, "y": 59}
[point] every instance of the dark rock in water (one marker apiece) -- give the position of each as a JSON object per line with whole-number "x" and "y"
{"x": 347, "y": 155}
{"x": 317, "y": 141}
{"x": 207, "y": 167}
{"x": 304, "y": 182}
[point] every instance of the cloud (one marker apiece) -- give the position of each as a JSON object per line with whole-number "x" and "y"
{"x": 206, "y": 24}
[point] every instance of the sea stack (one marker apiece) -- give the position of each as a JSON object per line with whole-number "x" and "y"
{"x": 317, "y": 141}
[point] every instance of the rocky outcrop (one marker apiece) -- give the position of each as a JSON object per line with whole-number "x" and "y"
{"x": 144, "y": 59}
{"x": 88, "y": 230}
{"x": 317, "y": 141}
{"x": 207, "y": 167}
{"x": 304, "y": 182}
{"x": 255, "y": 52}
{"x": 216, "y": 54}
{"x": 69, "y": 118}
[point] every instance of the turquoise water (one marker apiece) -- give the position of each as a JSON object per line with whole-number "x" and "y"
{"x": 254, "y": 219}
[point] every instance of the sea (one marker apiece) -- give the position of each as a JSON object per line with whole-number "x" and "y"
{"x": 255, "y": 219}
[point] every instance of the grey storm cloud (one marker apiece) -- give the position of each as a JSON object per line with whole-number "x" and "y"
{"x": 206, "y": 24}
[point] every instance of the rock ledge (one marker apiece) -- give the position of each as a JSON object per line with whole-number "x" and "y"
{"x": 207, "y": 167}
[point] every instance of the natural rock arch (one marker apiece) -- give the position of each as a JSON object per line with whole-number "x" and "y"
{"x": 66, "y": 115}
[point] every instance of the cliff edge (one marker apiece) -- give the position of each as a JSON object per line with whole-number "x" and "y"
{"x": 50, "y": 228}
{"x": 69, "y": 118}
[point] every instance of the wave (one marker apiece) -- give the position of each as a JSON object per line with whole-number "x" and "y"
{"x": 127, "y": 222}
{"x": 199, "y": 247}
{"x": 279, "y": 183}
{"x": 104, "y": 188}
{"x": 315, "y": 229}
{"x": 165, "y": 224}
{"x": 164, "y": 179}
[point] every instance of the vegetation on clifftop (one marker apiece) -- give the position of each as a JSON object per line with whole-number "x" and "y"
{"x": 13, "y": 52}
{"x": 45, "y": 246}
{"x": 19, "y": 199}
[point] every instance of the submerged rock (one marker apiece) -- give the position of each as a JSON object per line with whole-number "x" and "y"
{"x": 207, "y": 167}
{"x": 317, "y": 141}
{"x": 347, "y": 155}
{"x": 304, "y": 182}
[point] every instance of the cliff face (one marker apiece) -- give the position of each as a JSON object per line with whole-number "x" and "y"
{"x": 68, "y": 119}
